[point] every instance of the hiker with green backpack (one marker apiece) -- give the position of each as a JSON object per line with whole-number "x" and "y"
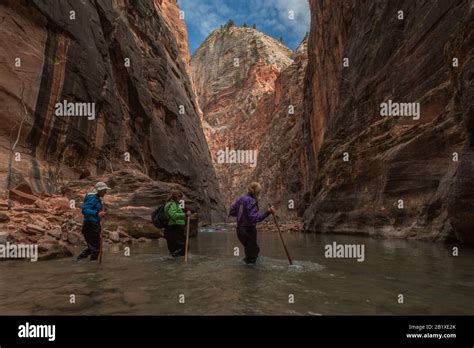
{"x": 171, "y": 217}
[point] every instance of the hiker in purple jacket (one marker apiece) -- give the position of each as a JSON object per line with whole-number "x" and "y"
{"x": 245, "y": 209}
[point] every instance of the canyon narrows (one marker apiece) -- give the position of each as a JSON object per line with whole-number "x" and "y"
{"x": 346, "y": 168}
{"x": 306, "y": 124}
{"x": 250, "y": 90}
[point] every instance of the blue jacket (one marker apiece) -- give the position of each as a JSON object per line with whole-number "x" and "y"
{"x": 245, "y": 209}
{"x": 91, "y": 207}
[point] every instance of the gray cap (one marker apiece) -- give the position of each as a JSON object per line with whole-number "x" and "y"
{"x": 100, "y": 186}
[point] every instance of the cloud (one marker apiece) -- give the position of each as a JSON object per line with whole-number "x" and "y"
{"x": 271, "y": 16}
{"x": 300, "y": 24}
{"x": 275, "y": 14}
{"x": 205, "y": 16}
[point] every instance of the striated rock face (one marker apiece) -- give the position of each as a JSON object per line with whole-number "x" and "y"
{"x": 400, "y": 178}
{"x": 281, "y": 166}
{"x": 234, "y": 74}
{"x": 146, "y": 117}
{"x": 175, "y": 21}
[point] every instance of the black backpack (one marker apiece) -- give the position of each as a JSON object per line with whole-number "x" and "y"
{"x": 158, "y": 217}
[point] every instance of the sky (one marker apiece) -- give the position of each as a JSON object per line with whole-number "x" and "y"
{"x": 270, "y": 16}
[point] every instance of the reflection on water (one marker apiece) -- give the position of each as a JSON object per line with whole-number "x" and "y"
{"x": 214, "y": 281}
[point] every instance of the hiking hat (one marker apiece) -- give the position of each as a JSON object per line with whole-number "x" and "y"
{"x": 254, "y": 189}
{"x": 100, "y": 186}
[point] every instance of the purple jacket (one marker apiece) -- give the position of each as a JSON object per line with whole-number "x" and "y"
{"x": 245, "y": 209}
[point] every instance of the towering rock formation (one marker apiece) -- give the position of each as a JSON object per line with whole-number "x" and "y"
{"x": 129, "y": 60}
{"x": 403, "y": 177}
{"x": 281, "y": 166}
{"x": 234, "y": 73}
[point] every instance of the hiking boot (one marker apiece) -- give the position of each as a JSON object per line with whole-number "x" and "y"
{"x": 178, "y": 253}
{"x": 81, "y": 257}
{"x": 250, "y": 260}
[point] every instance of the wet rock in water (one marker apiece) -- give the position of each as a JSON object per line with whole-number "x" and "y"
{"x": 84, "y": 299}
{"x": 136, "y": 297}
{"x": 54, "y": 250}
{"x": 126, "y": 240}
{"x": 122, "y": 232}
{"x": 6, "y": 237}
{"x": 4, "y": 218}
{"x": 114, "y": 236}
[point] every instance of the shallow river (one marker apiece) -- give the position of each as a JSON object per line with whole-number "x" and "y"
{"x": 214, "y": 281}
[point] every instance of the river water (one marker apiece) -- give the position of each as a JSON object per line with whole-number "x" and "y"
{"x": 214, "y": 281}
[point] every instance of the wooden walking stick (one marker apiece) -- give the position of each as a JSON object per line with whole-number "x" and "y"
{"x": 187, "y": 240}
{"x": 101, "y": 249}
{"x": 281, "y": 237}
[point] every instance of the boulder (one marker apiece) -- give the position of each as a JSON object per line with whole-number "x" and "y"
{"x": 59, "y": 203}
{"x": 42, "y": 204}
{"x": 4, "y": 218}
{"x": 6, "y": 237}
{"x": 75, "y": 238}
{"x": 114, "y": 236}
{"x": 32, "y": 228}
{"x": 54, "y": 250}
{"x": 46, "y": 240}
{"x": 22, "y": 197}
{"x": 55, "y": 232}
{"x": 122, "y": 232}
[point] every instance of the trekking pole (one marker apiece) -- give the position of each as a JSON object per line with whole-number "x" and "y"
{"x": 281, "y": 237}
{"x": 101, "y": 248}
{"x": 187, "y": 241}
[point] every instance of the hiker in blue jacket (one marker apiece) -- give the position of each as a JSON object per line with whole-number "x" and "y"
{"x": 245, "y": 209}
{"x": 93, "y": 211}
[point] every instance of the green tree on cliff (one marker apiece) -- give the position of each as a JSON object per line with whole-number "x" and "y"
{"x": 230, "y": 23}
